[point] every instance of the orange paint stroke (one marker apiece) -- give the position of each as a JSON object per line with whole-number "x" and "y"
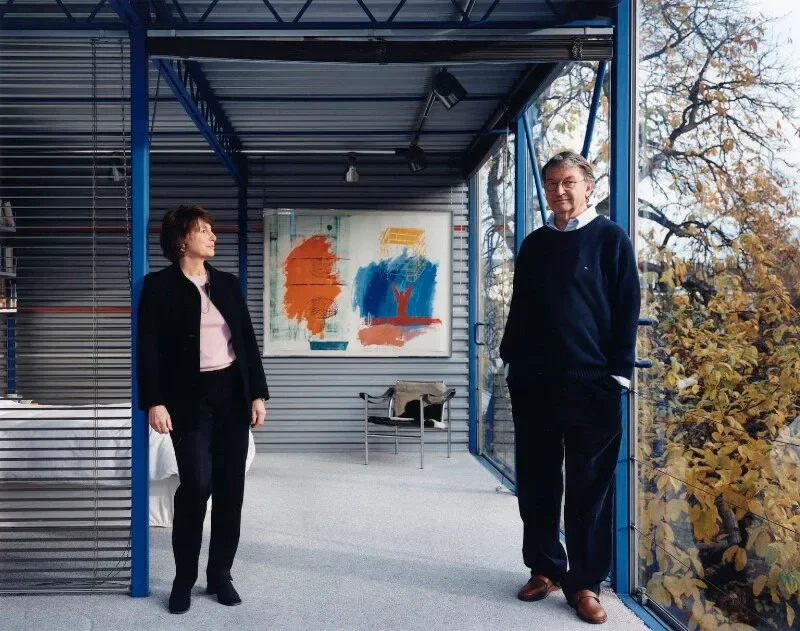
{"x": 312, "y": 283}
{"x": 387, "y": 335}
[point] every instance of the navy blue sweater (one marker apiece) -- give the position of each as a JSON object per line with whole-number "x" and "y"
{"x": 575, "y": 306}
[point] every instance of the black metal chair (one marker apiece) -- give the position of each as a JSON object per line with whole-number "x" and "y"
{"x": 422, "y": 413}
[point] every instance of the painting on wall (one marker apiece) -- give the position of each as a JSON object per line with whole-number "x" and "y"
{"x": 357, "y": 283}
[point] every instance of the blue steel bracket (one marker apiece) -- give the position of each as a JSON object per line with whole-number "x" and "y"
{"x": 190, "y": 86}
{"x": 194, "y": 93}
{"x": 595, "y": 108}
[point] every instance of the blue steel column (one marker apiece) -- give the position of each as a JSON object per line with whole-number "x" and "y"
{"x": 623, "y": 161}
{"x": 243, "y": 225}
{"x": 140, "y": 215}
{"x": 473, "y": 224}
{"x": 520, "y": 187}
{"x": 596, "y": 96}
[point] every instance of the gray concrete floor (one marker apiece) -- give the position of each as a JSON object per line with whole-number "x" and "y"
{"x": 328, "y": 543}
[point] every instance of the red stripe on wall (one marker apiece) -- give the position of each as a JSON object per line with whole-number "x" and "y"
{"x": 74, "y": 310}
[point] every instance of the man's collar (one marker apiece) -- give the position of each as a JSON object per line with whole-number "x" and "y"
{"x": 576, "y": 222}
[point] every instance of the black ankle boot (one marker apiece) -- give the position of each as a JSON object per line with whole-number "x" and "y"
{"x": 180, "y": 599}
{"x": 225, "y": 591}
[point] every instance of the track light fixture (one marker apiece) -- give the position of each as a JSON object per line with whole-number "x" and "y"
{"x": 448, "y": 89}
{"x": 416, "y": 158}
{"x": 351, "y": 175}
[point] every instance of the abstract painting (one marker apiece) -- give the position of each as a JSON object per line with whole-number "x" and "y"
{"x": 361, "y": 283}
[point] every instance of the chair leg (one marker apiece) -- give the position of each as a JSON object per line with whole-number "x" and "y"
{"x": 448, "y": 429}
{"x": 366, "y": 432}
{"x": 396, "y": 441}
{"x": 421, "y": 435}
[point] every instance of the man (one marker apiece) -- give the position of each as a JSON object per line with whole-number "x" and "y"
{"x": 569, "y": 345}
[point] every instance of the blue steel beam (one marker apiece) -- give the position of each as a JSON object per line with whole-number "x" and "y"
{"x": 271, "y": 10}
{"x": 520, "y": 186}
{"x": 242, "y": 232}
{"x": 65, "y": 11}
{"x": 593, "y": 110}
{"x": 473, "y": 223}
{"x": 537, "y": 176}
{"x": 140, "y": 216}
{"x": 96, "y": 10}
{"x": 6, "y": 7}
{"x": 354, "y": 27}
{"x": 285, "y": 98}
{"x": 623, "y": 169}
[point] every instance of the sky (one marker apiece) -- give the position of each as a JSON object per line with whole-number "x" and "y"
{"x": 784, "y": 29}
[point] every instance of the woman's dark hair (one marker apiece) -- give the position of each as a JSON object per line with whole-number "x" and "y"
{"x": 178, "y": 222}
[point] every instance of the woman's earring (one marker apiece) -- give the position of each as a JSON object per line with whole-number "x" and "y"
{"x": 183, "y": 248}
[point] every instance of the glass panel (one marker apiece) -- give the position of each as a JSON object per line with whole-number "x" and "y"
{"x": 559, "y": 118}
{"x": 718, "y": 236}
{"x": 496, "y": 224}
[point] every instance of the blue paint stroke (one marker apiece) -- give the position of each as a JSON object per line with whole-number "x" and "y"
{"x": 372, "y": 288}
{"x": 317, "y": 345}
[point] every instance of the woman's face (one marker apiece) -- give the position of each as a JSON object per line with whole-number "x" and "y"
{"x": 200, "y": 241}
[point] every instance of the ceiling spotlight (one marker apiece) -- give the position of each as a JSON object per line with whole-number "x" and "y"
{"x": 351, "y": 174}
{"x": 415, "y": 156}
{"x": 448, "y": 89}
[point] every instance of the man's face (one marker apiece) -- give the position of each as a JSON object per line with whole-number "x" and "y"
{"x": 567, "y": 190}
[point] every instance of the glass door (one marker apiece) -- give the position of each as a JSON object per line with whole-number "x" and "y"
{"x": 495, "y": 265}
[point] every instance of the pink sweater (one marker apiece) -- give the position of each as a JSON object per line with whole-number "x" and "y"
{"x": 216, "y": 351}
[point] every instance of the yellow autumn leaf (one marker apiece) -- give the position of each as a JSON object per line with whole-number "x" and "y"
{"x": 728, "y": 555}
{"x": 655, "y": 589}
{"x": 708, "y": 622}
{"x": 741, "y": 559}
{"x": 789, "y": 615}
{"x": 762, "y": 543}
{"x": 759, "y": 584}
{"x": 698, "y": 611}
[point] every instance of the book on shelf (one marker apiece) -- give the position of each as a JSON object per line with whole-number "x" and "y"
{"x": 8, "y": 294}
{"x": 7, "y": 263}
{"x": 8, "y": 215}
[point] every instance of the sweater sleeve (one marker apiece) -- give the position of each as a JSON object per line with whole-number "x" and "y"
{"x": 625, "y": 302}
{"x": 517, "y": 304}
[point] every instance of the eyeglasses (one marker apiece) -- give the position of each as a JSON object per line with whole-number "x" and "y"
{"x": 568, "y": 185}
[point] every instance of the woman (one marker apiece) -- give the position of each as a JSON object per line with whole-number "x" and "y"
{"x": 201, "y": 379}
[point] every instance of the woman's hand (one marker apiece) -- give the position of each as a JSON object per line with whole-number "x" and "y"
{"x": 258, "y": 413}
{"x": 159, "y": 419}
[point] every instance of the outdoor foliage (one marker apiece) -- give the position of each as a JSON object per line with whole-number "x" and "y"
{"x": 718, "y": 451}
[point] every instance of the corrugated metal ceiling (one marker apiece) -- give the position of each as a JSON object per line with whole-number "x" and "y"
{"x": 46, "y": 90}
{"x": 45, "y": 83}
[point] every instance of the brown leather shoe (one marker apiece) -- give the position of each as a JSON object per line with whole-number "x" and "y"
{"x": 537, "y": 588}
{"x": 588, "y": 607}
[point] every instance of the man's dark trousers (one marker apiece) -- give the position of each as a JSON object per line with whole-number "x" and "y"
{"x": 577, "y": 423}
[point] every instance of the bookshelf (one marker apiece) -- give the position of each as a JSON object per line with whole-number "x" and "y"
{"x": 8, "y": 293}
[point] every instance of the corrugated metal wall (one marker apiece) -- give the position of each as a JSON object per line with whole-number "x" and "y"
{"x": 65, "y": 491}
{"x": 315, "y": 403}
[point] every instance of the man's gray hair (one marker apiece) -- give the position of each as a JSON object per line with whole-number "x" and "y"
{"x": 569, "y": 159}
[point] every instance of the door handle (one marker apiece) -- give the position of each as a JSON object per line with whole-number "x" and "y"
{"x": 475, "y": 333}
